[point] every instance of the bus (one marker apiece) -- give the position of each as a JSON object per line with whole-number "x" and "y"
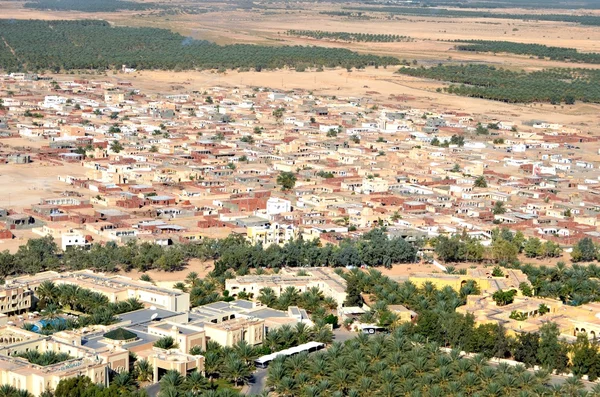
{"x": 264, "y": 361}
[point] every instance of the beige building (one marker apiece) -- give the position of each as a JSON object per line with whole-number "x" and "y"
{"x": 325, "y": 279}
{"x": 272, "y": 234}
{"x": 165, "y": 360}
{"x": 511, "y": 279}
{"x": 116, "y": 288}
{"x": 230, "y": 332}
{"x": 15, "y": 299}
{"x": 571, "y": 320}
{"x": 22, "y": 374}
{"x": 185, "y": 335}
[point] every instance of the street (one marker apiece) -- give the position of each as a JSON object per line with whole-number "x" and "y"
{"x": 258, "y": 382}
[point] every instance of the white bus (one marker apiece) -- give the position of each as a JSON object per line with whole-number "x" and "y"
{"x": 263, "y": 362}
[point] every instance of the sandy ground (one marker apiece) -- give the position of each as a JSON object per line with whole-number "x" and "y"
{"x": 165, "y": 279}
{"x": 362, "y": 84}
{"x": 25, "y": 184}
{"x": 30, "y": 182}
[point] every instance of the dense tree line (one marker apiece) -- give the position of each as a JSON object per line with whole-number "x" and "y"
{"x": 488, "y": 82}
{"x": 346, "y": 36}
{"x": 574, "y": 285}
{"x": 89, "y": 5}
{"x": 234, "y": 252}
{"x": 91, "y": 44}
{"x": 348, "y": 14}
{"x": 373, "y": 249}
{"x": 504, "y": 249}
{"x": 43, "y": 254}
{"x": 538, "y": 50}
{"x": 590, "y": 20}
{"x": 121, "y": 385}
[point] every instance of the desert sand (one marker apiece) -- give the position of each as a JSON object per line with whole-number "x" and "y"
{"x": 376, "y": 83}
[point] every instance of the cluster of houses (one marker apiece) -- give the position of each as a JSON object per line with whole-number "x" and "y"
{"x": 205, "y": 161}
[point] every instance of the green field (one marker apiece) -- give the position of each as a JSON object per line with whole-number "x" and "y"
{"x": 90, "y": 44}
{"x": 488, "y": 82}
{"x": 536, "y": 50}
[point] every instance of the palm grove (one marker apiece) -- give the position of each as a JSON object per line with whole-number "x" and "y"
{"x": 36, "y": 45}
{"x": 439, "y": 323}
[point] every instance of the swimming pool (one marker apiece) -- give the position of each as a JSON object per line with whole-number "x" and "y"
{"x": 39, "y": 325}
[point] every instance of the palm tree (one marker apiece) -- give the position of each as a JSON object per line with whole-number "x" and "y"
{"x": 572, "y": 386}
{"x": 51, "y": 312}
{"x": 46, "y": 293}
{"x": 134, "y": 304}
{"x": 289, "y": 297}
{"x": 124, "y": 382}
{"x": 245, "y": 351}
{"x": 168, "y": 391}
{"x": 303, "y": 333}
{"x": 287, "y": 180}
{"x": 29, "y": 326}
{"x": 267, "y": 297}
{"x": 235, "y": 370}
{"x": 144, "y": 370}
{"x": 323, "y": 334}
{"x": 341, "y": 380}
{"x": 171, "y": 379}
{"x": 166, "y": 343}
{"x": 67, "y": 295}
{"x": 192, "y": 278}
{"x": 10, "y": 391}
{"x": 195, "y": 350}
{"x": 212, "y": 362}
{"x": 196, "y": 383}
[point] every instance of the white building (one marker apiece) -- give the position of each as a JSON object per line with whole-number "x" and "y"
{"x": 76, "y": 240}
{"x": 277, "y": 206}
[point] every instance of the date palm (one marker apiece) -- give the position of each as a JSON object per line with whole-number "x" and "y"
{"x": 192, "y": 278}
{"x": 46, "y": 293}
{"x": 144, "y": 370}
{"x": 196, "y": 383}
{"x": 235, "y": 370}
{"x": 245, "y": 351}
{"x": 51, "y": 312}
{"x": 124, "y": 382}
{"x": 172, "y": 379}
{"x": 67, "y": 295}
{"x": 10, "y": 391}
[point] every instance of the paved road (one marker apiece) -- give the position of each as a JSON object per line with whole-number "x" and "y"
{"x": 258, "y": 382}
{"x": 153, "y": 390}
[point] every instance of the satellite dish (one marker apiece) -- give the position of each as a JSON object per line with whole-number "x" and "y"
{"x": 154, "y": 316}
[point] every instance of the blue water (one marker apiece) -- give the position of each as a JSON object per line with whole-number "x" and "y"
{"x": 39, "y": 325}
